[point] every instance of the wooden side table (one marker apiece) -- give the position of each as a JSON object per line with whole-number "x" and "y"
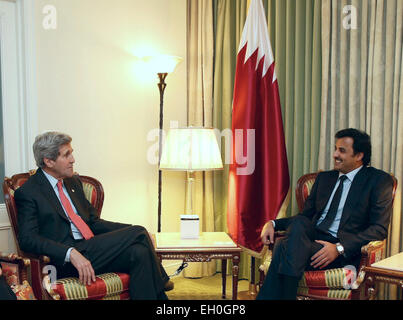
{"x": 210, "y": 245}
{"x": 389, "y": 270}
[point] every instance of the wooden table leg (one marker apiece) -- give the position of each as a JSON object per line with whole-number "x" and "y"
{"x": 224, "y": 276}
{"x": 235, "y": 271}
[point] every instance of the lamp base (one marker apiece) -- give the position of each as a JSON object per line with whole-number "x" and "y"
{"x": 189, "y": 226}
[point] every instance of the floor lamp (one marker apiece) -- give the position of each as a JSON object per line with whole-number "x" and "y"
{"x": 162, "y": 65}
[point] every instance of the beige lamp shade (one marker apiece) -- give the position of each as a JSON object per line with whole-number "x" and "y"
{"x": 191, "y": 149}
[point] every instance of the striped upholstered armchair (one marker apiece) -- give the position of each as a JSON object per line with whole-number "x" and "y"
{"x": 108, "y": 286}
{"x": 15, "y": 271}
{"x": 332, "y": 284}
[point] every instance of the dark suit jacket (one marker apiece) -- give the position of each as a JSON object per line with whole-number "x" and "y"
{"x": 43, "y": 226}
{"x": 366, "y": 213}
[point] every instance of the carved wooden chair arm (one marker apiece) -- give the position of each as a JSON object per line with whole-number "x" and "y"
{"x": 370, "y": 253}
{"x": 44, "y": 259}
{"x": 14, "y": 258}
{"x": 266, "y": 256}
{"x": 277, "y": 235}
{"x": 41, "y": 258}
{"x": 372, "y": 247}
{"x": 37, "y": 263}
{"x": 17, "y": 269}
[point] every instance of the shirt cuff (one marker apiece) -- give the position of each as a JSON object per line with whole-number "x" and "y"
{"x": 274, "y": 224}
{"x": 67, "y": 258}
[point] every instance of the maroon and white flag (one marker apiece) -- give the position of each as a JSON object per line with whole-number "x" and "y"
{"x": 258, "y": 175}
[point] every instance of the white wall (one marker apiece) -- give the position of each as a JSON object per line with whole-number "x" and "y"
{"x": 89, "y": 86}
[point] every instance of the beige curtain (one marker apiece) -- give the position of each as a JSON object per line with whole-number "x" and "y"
{"x": 229, "y": 21}
{"x": 362, "y": 87}
{"x": 229, "y": 17}
{"x": 200, "y": 53}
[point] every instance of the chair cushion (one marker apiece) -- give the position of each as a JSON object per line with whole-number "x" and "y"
{"x": 307, "y": 187}
{"x": 339, "y": 294}
{"x": 90, "y": 192}
{"x": 11, "y": 273}
{"x": 23, "y": 291}
{"x": 107, "y": 286}
{"x": 375, "y": 255}
{"x": 339, "y": 278}
{"x": 322, "y": 279}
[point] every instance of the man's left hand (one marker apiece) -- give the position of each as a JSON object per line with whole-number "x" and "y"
{"x": 324, "y": 256}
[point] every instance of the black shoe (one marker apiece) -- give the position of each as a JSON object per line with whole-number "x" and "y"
{"x": 169, "y": 285}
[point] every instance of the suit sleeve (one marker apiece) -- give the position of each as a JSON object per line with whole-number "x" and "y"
{"x": 29, "y": 238}
{"x": 380, "y": 209}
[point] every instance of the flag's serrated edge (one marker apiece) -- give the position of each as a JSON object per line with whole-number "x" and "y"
{"x": 256, "y": 37}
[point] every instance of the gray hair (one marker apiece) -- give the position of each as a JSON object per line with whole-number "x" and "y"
{"x": 47, "y": 145}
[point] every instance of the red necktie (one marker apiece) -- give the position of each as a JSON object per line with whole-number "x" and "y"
{"x": 75, "y": 218}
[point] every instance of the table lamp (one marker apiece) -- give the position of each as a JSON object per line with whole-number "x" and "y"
{"x": 190, "y": 149}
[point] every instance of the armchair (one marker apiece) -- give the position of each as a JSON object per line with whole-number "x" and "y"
{"x": 108, "y": 286}
{"x": 15, "y": 269}
{"x": 330, "y": 284}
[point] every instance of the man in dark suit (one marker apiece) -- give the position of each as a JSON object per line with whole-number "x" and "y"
{"x": 347, "y": 208}
{"x": 56, "y": 219}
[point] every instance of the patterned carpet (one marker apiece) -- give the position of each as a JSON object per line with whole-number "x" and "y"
{"x": 207, "y": 288}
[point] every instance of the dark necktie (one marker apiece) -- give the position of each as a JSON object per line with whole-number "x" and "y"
{"x": 331, "y": 214}
{"x": 75, "y": 218}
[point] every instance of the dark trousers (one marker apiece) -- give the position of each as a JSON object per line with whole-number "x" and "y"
{"x": 292, "y": 256}
{"x": 127, "y": 250}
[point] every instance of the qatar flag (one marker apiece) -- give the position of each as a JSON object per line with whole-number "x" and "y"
{"x": 258, "y": 174}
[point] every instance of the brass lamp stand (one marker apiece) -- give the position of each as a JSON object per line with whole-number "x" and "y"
{"x": 161, "y": 86}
